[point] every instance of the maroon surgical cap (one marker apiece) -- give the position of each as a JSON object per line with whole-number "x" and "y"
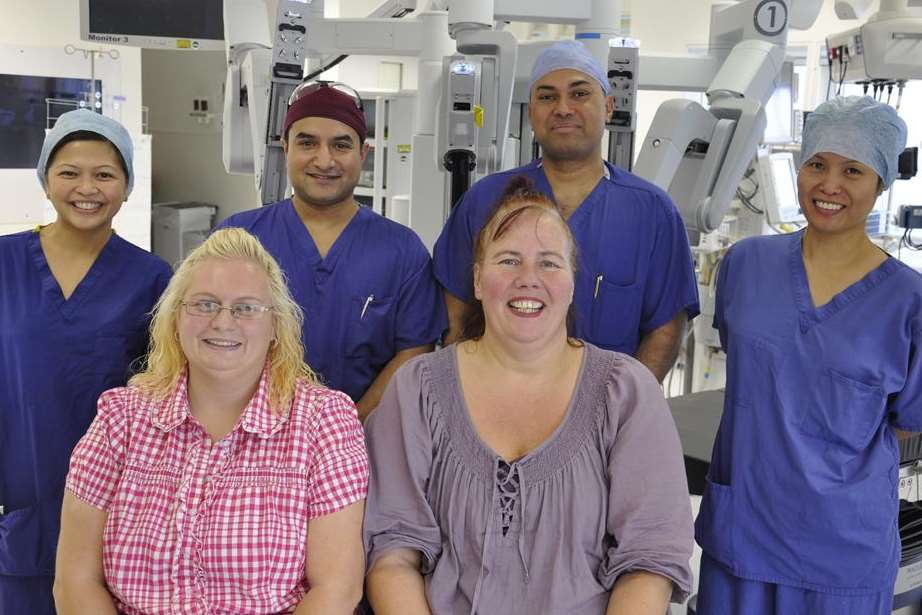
{"x": 329, "y": 103}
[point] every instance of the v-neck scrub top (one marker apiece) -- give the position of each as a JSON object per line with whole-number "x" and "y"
{"x": 371, "y": 296}
{"x": 635, "y": 270}
{"x": 803, "y": 485}
{"x": 550, "y": 532}
{"x": 56, "y": 357}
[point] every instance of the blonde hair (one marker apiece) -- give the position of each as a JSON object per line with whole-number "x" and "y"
{"x": 166, "y": 361}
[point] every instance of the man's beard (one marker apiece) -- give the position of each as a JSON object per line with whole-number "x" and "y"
{"x": 571, "y": 151}
{"x": 316, "y": 201}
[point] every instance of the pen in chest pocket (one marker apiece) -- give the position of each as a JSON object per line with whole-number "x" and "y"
{"x": 598, "y": 281}
{"x": 365, "y": 307}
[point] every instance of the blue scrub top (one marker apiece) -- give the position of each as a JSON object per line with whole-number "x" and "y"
{"x": 372, "y": 296}
{"x": 631, "y": 242}
{"x": 56, "y": 357}
{"x": 803, "y": 486}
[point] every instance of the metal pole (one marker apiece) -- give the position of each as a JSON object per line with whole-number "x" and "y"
{"x": 93, "y": 81}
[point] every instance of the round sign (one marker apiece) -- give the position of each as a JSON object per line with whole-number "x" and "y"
{"x": 771, "y": 17}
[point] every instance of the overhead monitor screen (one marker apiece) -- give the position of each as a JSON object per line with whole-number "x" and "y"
{"x": 154, "y": 24}
{"x": 783, "y": 205}
{"x": 785, "y": 183}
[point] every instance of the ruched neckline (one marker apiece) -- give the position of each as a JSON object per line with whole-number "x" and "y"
{"x": 582, "y": 418}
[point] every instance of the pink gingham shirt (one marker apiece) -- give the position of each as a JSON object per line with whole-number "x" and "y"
{"x": 198, "y": 527}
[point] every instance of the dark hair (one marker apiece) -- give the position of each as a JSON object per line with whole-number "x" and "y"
{"x": 519, "y": 196}
{"x": 85, "y": 135}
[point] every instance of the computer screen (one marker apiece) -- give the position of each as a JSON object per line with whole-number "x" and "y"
{"x": 154, "y": 24}
{"x": 778, "y": 188}
{"x": 28, "y": 105}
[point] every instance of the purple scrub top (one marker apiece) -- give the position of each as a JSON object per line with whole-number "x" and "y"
{"x": 635, "y": 270}
{"x": 370, "y": 297}
{"x": 803, "y": 488}
{"x": 56, "y": 357}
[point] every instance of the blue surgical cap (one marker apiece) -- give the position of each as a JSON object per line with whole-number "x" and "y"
{"x": 859, "y": 128}
{"x": 84, "y": 119}
{"x": 568, "y": 54}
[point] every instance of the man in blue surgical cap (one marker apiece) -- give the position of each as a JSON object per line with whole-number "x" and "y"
{"x": 635, "y": 283}
{"x": 823, "y": 335}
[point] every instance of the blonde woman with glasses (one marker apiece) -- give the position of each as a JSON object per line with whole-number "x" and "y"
{"x": 223, "y": 478}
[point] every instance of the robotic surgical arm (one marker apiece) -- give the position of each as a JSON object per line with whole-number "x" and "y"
{"x": 699, "y": 155}
{"x": 249, "y": 55}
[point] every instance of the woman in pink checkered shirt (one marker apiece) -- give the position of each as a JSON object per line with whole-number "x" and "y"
{"x": 223, "y": 478}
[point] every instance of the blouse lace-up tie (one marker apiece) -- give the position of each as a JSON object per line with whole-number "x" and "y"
{"x": 508, "y": 480}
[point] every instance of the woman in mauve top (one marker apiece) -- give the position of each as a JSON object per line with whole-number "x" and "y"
{"x": 520, "y": 470}
{"x": 223, "y": 479}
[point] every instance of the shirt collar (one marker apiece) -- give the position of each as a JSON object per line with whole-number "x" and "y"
{"x": 258, "y": 417}
{"x": 607, "y": 167}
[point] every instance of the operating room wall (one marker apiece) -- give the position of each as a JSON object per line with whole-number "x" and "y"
{"x": 187, "y": 164}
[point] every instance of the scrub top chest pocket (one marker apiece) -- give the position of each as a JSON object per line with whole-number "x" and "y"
{"x": 370, "y": 326}
{"x": 842, "y": 411}
{"x": 615, "y": 314}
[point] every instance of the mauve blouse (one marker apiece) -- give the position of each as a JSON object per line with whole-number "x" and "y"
{"x": 604, "y": 495}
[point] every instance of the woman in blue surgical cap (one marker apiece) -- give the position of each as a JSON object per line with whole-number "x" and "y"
{"x": 74, "y": 303}
{"x": 823, "y": 335}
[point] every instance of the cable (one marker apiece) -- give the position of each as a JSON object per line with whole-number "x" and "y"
{"x": 751, "y": 195}
{"x": 746, "y": 199}
{"x": 843, "y": 62}
{"x": 908, "y": 241}
{"x": 323, "y": 69}
{"x": 748, "y": 203}
{"x": 899, "y": 96}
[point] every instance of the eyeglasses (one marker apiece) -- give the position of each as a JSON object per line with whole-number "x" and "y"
{"x": 240, "y": 311}
{"x": 309, "y": 87}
